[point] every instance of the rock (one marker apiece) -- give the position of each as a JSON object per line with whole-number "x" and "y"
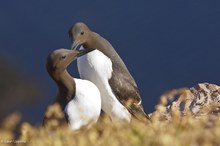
{"x": 202, "y": 99}
{"x": 205, "y": 98}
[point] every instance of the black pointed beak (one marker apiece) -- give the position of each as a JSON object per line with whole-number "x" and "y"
{"x": 83, "y": 52}
{"x": 75, "y": 45}
{"x": 74, "y": 54}
{"x": 77, "y": 53}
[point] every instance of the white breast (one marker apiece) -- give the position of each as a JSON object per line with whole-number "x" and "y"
{"x": 84, "y": 109}
{"x": 97, "y": 67}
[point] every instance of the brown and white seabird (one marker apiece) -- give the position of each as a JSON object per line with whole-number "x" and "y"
{"x": 102, "y": 65}
{"x": 81, "y": 98}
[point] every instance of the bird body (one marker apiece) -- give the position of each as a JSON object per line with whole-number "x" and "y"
{"x": 84, "y": 108}
{"x": 97, "y": 68}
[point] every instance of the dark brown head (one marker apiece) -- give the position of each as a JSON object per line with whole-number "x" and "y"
{"x": 79, "y": 34}
{"x": 58, "y": 60}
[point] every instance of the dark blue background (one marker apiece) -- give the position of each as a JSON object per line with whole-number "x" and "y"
{"x": 165, "y": 44}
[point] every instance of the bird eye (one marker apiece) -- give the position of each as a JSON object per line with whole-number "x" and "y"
{"x": 63, "y": 57}
{"x": 82, "y": 33}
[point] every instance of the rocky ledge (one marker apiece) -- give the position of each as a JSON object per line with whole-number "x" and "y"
{"x": 202, "y": 99}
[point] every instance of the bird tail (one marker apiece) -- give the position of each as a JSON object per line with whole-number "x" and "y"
{"x": 138, "y": 112}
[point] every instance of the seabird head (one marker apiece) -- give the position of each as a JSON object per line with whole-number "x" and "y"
{"x": 79, "y": 34}
{"x": 58, "y": 60}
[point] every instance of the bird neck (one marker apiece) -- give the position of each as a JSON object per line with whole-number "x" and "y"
{"x": 66, "y": 86}
{"x": 93, "y": 41}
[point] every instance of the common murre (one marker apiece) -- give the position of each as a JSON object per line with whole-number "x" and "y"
{"x": 81, "y": 98}
{"x": 102, "y": 65}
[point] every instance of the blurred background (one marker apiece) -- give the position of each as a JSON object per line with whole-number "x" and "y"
{"x": 165, "y": 45}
